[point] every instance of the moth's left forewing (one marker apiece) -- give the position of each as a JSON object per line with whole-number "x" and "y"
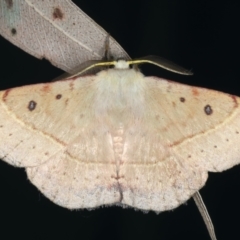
{"x": 52, "y": 130}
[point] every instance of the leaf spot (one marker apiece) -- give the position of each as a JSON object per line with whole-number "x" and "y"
{"x": 57, "y": 13}
{"x": 13, "y": 31}
{"x": 9, "y": 3}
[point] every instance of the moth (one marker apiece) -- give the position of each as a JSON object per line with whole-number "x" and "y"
{"x": 207, "y": 109}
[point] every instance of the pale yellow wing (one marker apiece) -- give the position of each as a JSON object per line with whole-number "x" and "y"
{"x": 185, "y": 132}
{"x": 119, "y": 137}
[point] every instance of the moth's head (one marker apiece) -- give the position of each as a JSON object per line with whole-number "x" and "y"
{"x": 121, "y": 64}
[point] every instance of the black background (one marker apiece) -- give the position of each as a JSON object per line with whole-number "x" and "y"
{"x": 199, "y": 35}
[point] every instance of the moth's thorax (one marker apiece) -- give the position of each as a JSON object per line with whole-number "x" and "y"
{"x": 120, "y": 93}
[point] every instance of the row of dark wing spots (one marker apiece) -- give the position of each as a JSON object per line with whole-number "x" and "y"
{"x": 32, "y": 104}
{"x": 215, "y": 146}
{"x": 34, "y": 147}
{"x": 207, "y": 109}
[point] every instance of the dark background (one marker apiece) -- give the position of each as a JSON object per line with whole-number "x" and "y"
{"x": 199, "y": 35}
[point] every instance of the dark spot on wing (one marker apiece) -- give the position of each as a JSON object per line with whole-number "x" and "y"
{"x": 13, "y": 31}
{"x": 59, "y": 96}
{"x": 32, "y": 105}
{"x": 208, "y": 110}
{"x": 57, "y": 13}
{"x": 182, "y": 99}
